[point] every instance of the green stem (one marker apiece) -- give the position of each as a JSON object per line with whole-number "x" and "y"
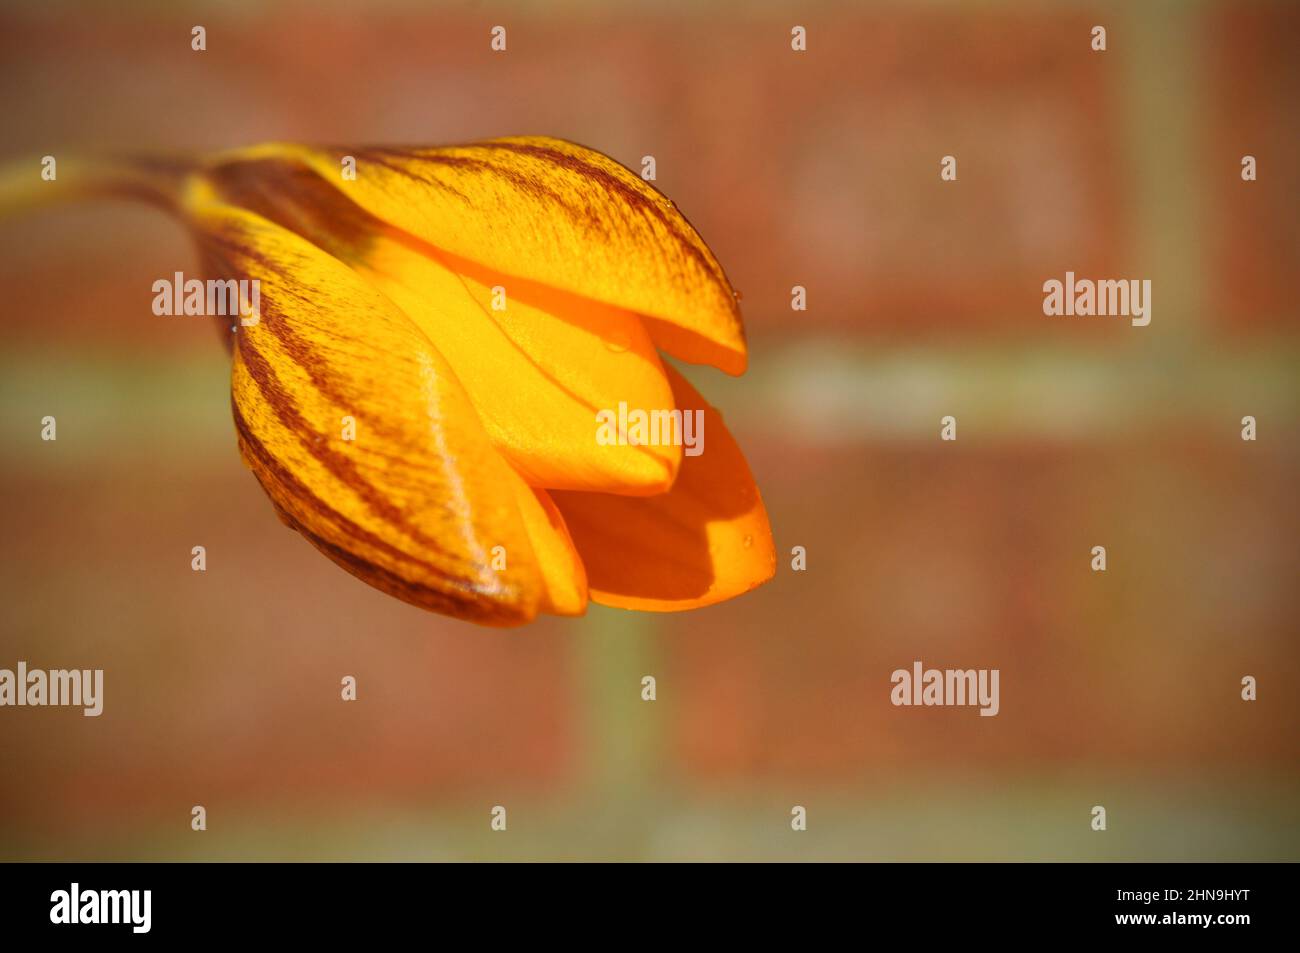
{"x": 158, "y": 180}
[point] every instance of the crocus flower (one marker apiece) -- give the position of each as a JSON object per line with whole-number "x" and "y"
{"x": 440, "y": 339}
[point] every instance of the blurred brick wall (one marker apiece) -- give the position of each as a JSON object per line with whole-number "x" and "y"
{"x": 1255, "y": 88}
{"x": 1128, "y": 667}
{"x": 819, "y": 169}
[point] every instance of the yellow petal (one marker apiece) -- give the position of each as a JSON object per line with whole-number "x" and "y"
{"x": 416, "y": 504}
{"x": 538, "y": 371}
{"x": 704, "y": 541}
{"x": 537, "y": 363}
{"x": 564, "y": 579}
{"x": 555, "y": 213}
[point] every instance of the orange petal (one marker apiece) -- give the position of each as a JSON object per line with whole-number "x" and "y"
{"x": 538, "y": 370}
{"x": 704, "y": 541}
{"x": 564, "y": 580}
{"x": 556, "y": 213}
{"x": 417, "y": 503}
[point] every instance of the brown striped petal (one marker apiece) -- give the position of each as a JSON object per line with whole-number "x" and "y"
{"x": 559, "y": 214}
{"x": 418, "y": 503}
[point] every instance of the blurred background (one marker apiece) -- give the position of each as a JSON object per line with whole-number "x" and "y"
{"x": 819, "y": 169}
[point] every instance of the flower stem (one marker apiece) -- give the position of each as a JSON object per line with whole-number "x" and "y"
{"x": 158, "y": 180}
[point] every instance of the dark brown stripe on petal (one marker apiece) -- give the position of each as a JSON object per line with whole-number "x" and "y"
{"x": 471, "y": 602}
{"x": 525, "y": 183}
{"x": 632, "y": 196}
{"x": 382, "y": 158}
